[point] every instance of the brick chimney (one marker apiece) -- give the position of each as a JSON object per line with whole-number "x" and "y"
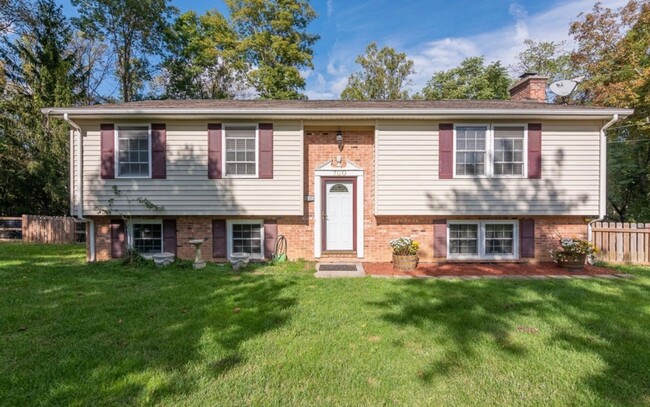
{"x": 530, "y": 87}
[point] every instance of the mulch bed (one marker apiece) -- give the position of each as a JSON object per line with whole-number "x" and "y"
{"x": 481, "y": 269}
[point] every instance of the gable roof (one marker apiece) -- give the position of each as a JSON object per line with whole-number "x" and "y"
{"x": 417, "y": 109}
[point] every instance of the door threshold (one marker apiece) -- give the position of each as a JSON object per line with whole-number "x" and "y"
{"x": 325, "y": 252}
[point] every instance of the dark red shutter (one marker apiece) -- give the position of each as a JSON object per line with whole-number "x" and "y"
{"x": 270, "y": 235}
{"x": 266, "y": 151}
{"x": 440, "y": 238}
{"x": 169, "y": 235}
{"x": 219, "y": 238}
{"x": 107, "y": 141}
{"x": 117, "y": 238}
{"x": 158, "y": 151}
{"x": 445, "y": 151}
{"x": 534, "y": 150}
{"x": 214, "y": 151}
{"x": 527, "y": 238}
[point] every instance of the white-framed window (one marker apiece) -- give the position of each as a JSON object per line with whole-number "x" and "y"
{"x": 490, "y": 150}
{"x": 133, "y": 151}
{"x": 246, "y": 236}
{"x": 483, "y": 239}
{"x": 145, "y": 236}
{"x": 241, "y": 155}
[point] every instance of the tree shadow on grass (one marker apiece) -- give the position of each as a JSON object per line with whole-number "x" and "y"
{"x": 114, "y": 335}
{"x": 608, "y": 319}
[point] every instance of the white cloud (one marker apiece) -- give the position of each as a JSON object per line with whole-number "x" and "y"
{"x": 330, "y": 8}
{"x": 306, "y": 73}
{"x": 503, "y": 44}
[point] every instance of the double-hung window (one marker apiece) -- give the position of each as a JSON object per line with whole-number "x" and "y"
{"x": 490, "y": 150}
{"x": 241, "y": 155}
{"x": 133, "y": 151}
{"x": 482, "y": 239}
{"x": 146, "y": 236}
{"x": 246, "y": 236}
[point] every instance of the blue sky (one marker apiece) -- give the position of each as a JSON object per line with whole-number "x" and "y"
{"x": 436, "y": 35}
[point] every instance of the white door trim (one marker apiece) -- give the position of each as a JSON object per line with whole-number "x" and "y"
{"x": 327, "y": 170}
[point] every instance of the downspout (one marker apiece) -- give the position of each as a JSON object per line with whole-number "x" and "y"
{"x": 79, "y": 187}
{"x": 602, "y": 205}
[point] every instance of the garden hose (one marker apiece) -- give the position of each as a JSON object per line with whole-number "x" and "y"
{"x": 280, "y": 250}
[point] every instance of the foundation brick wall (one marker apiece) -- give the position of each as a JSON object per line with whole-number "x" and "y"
{"x": 320, "y": 147}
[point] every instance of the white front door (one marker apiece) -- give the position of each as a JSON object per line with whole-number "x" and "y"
{"x": 339, "y": 215}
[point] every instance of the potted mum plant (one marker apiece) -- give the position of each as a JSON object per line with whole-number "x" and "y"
{"x": 405, "y": 253}
{"x": 572, "y": 253}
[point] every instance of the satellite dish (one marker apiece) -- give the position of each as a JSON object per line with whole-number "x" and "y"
{"x": 566, "y": 87}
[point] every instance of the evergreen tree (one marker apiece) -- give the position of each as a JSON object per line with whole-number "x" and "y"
{"x": 39, "y": 71}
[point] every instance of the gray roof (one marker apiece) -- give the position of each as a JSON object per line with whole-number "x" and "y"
{"x": 336, "y": 104}
{"x": 335, "y": 108}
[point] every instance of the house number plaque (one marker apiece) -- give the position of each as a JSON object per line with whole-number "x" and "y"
{"x": 339, "y": 173}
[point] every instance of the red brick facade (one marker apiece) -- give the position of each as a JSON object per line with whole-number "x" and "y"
{"x": 320, "y": 147}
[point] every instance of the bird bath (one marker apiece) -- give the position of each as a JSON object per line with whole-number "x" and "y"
{"x": 199, "y": 263}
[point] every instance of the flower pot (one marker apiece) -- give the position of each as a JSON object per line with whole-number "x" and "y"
{"x": 573, "y": 262}
{"x": 405, "y": 262}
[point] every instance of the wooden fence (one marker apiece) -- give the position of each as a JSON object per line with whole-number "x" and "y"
{"x": 622, "y": 242}
{"x": 11, "y": 228}
{"x": 48, "y": 229}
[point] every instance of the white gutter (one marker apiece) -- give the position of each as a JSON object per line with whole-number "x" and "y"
{"x": 342, "y": 112}
{"x": 602, "y": 203}
{"x": 78, "y": 186}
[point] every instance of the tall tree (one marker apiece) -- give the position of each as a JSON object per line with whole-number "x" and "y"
{"x": 471, "y": 80}
{"x": 547, "y": 58}
{"x": 275, "y": 44}
{"x": 134, "y": 29}
{"x": 13, "y": 15}
{"x": 612, "y": 53}
{"x": 96, "y": 61}
{"x": 201, "y": 60}
{"x": 384, "y": 75}
{"x": 39, "y": 71}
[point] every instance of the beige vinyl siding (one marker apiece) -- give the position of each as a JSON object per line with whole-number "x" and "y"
{"x": 187, "y": 189}
{"x": 407, "y": 175}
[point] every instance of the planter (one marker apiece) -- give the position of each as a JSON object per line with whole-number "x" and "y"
{"x": 405, "y": 262}
{"x": 573, "y": 262}
{"x": 239, "y": 260}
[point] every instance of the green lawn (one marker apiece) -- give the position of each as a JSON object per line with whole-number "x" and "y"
{"x": 104, "y": 334}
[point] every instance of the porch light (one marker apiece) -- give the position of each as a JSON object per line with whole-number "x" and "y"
{"x": 339, "y": 139}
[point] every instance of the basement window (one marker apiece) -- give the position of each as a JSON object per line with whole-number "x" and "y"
{"x": 482, "y": 240}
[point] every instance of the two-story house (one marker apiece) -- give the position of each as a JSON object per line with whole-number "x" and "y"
{"x": 469, "y": 179}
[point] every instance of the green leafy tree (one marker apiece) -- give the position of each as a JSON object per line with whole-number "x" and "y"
{"x": 612, "y": 53}
{"x": 275, "y": 44}
{"x": 202, "y": 61}
{"x": 546, "y": 58}
{"x": 134, "y": 29}
{"x": 471, "y": 80}
{"x": 39, "y": 71}
{"x": 384, "y": 75}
